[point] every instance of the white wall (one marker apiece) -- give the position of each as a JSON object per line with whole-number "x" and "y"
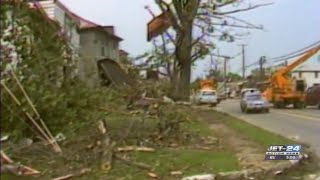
{"x": 75, "y": 37}
{"x": 309, "y": 77}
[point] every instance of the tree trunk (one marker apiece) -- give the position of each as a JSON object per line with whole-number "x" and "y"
{"x": 173, "y": 80}
{"x": 183, "y": 55}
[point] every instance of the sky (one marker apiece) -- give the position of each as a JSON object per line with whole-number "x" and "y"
{"x": 289, "y": 26}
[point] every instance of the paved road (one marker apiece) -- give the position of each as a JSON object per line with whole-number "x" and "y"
{"x": 302, "y": 124}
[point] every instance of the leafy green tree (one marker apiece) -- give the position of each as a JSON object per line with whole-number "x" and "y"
{"x": 195, "y": 24}
{"x": 34, "y": 51}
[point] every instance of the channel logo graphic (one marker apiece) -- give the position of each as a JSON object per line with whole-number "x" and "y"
{"x": 283, "y": 152}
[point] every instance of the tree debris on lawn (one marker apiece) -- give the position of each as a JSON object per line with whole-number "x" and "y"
{"x": 4, "y": 138}
{"x": 60, "y": 137}
{"x": 107, "y": 146}
{"x": 176, "y": 173}
{"x": 82, "y": 172}
{"x": 134, "y": 148}
{"x": 5, "y": 159}
{"x": 204, "y": 148}
{"x": 152, "y": 175}
{"x": 9, "y": 166}
{"x": 200, "y": 177}
{"x": 137, "y": 164}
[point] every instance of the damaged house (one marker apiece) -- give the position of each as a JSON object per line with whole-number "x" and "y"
{"x": 95, "y": 47}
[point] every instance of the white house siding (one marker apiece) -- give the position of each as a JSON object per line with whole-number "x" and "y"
{"x": 310, "y": 77}
{"x": 49, "y": 7}
{"x": 309, "y": 72}
{"x": 60, "y": 16}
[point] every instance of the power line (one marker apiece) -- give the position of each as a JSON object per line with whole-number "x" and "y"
{"x": 292, "y": 54}
{"x": 287, "y": 56}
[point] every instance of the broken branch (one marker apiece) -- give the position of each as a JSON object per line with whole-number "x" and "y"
{"x": 106, "y": 147}
{"x": 51, "y": 141}
{"x": 137, "y": 164}
{"x": 82, "y": 172}
{"x": 133, "y": 148}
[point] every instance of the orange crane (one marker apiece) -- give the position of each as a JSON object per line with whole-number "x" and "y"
{"x": 282, "y": 90}
{"x": 207, "y": 84}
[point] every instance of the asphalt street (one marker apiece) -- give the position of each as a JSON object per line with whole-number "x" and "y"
{"x": 302, "y": 125}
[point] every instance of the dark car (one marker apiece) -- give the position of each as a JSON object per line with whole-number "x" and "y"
{"x": 313, "y": 96}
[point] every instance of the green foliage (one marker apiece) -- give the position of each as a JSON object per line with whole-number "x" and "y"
{"x": 166, "y": 160}
{"x": 42, "y": 55}
{"x": 234, "y": 76}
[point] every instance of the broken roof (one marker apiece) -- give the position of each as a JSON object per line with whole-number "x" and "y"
{"x": 83, "y": 24}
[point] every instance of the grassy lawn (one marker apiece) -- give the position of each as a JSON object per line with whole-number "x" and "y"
{"x": 189, "y": 162}
{"x": 252, "y": 132}
{"x": 164, "y": 161}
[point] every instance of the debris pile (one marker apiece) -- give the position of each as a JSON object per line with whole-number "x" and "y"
{"x": 9, "y": 166}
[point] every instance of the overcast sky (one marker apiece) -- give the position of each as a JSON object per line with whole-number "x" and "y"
{"x": 290, "y": 25}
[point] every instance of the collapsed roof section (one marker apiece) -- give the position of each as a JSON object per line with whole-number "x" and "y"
{"x": 112, "y": 73}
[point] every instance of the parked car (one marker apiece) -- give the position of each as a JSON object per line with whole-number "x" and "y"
{"x": 207, "y": 97}
{"x": 221, "y": 97}
{"x": 312, "y": 97}
{"x": 253, "y": 101}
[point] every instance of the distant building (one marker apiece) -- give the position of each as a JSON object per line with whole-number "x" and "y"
{"x": 310, "y": 74}
{"x": 123, "y": 53}
{"x": 89, "y": 41}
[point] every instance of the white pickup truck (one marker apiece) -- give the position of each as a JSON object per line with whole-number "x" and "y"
{"x": 206, "y": 96}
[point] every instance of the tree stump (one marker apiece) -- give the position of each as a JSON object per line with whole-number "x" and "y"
{"x": 107, "y": 147}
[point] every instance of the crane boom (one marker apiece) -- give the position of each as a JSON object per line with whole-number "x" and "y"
{"x": 283, "y": 90}
{"x": 299, "y": 60}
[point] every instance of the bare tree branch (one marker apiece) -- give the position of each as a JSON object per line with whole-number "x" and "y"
{"x": 241, "y": 10}
{"x": 242, "y": 21}
{"x": 214, "y": 6}
{"x": 195, "y": 56}
{"x": 227, "y": 3}
{"x": 226, "y": 24}
{"x": 235, "y": 25}
{"x": 198, "y": 39}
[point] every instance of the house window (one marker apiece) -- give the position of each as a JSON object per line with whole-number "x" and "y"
{"x": 300, "y": 74}
{"x": 114, "y": 45}
{"x": 102, "y": 51}
{"x": 316, "y": 75}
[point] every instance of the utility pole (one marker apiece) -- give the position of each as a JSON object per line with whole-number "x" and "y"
{"x": 261, "y": 62}
{"x": 225, "y": 68}
{"x": 243, "y": 62}
{"x": 225, "y": 58}
{"x": 212, "y": 71}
